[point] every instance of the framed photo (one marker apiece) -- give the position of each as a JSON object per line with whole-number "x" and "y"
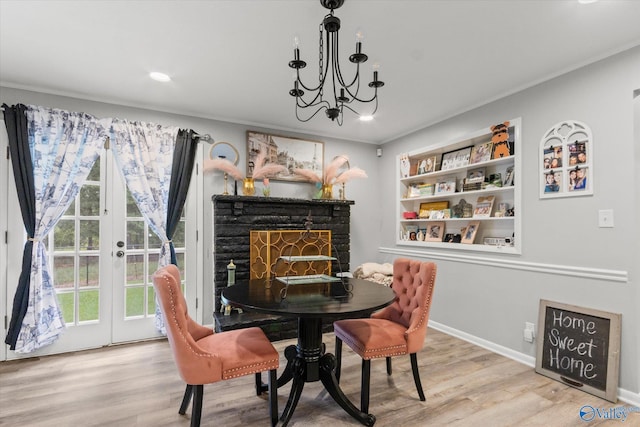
{"x": 481, "y": 153}
{"x": 435, "y": 231}
{"x": 578, "y": 179}
{"x": 427, "y": 165}
{"x": 508, "y": 177}
{"x": 426, "y": 208}
{"x": 470, "y": 232}
{"x": 405, "y": 166}
{"x": 456, "y": 159}
{"x": 439, "y": 214}
{"x": 483, "y": 207}
{"x": 293, "y": 153}
{"x": 447, "y": 186}
{"x": 452, "y": 238}
{"x": 475, "y": 175}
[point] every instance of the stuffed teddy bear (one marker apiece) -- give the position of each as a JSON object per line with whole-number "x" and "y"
{"x": 500, "y": 139}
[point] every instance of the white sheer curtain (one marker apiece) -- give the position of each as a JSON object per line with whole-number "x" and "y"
{"x": 144, "y": 154}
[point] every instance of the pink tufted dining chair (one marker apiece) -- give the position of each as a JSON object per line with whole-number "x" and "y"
{"x": 204, "y": 357}
{"x": 397, "y": 329}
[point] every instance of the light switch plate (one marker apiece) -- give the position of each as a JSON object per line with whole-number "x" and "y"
{"x": 605, "y": 218}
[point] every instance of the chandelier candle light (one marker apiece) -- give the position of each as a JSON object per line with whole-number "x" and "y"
{"x": 343, "y": 93}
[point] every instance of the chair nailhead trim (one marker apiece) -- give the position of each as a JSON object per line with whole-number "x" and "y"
{"x": 268, "y": 365}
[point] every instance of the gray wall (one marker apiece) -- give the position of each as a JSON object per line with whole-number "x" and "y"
{"x": 365, "y": 224}
{"x": 487, "y": 302}
{"x": 493, "y": 303}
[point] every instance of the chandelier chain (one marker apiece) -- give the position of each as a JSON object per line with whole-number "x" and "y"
{"x": 321, "y": 56}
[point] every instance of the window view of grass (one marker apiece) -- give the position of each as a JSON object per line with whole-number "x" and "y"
{"x": 75, "y": 246}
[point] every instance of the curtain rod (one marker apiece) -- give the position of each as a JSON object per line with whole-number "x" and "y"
{"x": 205, "y": 137}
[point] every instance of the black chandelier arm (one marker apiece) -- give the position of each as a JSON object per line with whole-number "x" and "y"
{"x": 358, "y": 113}
{"x": 308, "y": 88}
{"x": 336, "y": 64}
{"x": 301, "y": 103}
{"x": 310, "y": 117}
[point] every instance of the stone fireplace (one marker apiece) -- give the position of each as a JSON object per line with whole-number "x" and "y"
{"x": 234, "y": 220}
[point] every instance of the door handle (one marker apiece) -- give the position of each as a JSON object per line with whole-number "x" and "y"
{"x": 120, "y": 254}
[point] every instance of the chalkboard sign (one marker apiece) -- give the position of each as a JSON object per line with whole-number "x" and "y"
{"x": 579, "y": 347}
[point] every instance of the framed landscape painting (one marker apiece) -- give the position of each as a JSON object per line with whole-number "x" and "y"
{"x": 292, "y": 153}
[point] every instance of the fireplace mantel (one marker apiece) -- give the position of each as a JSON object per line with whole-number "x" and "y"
{"x": 234, "y": 217}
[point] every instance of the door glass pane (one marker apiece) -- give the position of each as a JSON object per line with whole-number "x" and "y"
{"x": 153, "y": 266}
{"x": 64, "y": 272}
{"x": 135, "y": 269}
{"x": 89, "y": 271}
{"x": 151, "y": 301}
{"x": 94, "y": 175}
{"x": 135, "y": 234}
{"x": 134, "y": 301}
{"x": 154, "y": 241}
{"x": 90, "y": 200}
{"x": 132, "y": 208}
{"x": 64, "y": 235}
{"x": 89, "y": 305}
{"x": 67, "y": 305}
{"x": 89, "y": 235}
{"x": 71, "y": 209}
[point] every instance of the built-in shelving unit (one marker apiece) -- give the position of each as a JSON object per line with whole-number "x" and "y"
{"x": 495, "y": 231}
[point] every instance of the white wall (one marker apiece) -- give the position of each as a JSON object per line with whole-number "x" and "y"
{"x": 493, "y": 303}
{"x": 365, "y": 223}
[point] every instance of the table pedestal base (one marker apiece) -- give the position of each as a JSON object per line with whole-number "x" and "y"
{"x": 308, "y": 362}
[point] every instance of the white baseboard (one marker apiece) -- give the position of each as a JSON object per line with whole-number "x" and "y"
{"x": 625, "y": 396}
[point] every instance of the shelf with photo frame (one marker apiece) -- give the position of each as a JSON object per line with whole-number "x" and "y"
{"x": 465, "y": 175}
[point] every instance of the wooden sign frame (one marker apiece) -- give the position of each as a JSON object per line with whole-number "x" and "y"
{"x": 576, "y": 337}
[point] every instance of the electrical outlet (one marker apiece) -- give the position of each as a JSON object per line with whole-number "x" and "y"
{"x": 529, "y": 331}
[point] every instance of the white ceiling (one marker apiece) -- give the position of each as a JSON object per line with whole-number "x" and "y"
{"x": 228, "y": 59}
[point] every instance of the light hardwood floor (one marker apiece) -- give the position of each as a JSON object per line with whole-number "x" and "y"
{"x": 137, "y": 385}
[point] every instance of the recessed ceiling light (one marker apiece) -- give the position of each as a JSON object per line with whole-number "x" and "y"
{"x": 586, "y": 1}
{"x": 366, "y": 118}
{"x": 159, "y": 77}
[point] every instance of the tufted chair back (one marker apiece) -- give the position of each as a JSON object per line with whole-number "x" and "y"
{"x": 413, "y": 283}
{"x": 204, "y": 357}
{"x": 194, "y": 363}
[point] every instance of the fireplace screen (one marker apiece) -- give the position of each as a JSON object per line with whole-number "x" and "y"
{"x": 267, "y": 246}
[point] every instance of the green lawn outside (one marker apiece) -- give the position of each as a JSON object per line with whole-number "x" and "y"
{"x": 90, "y": 304}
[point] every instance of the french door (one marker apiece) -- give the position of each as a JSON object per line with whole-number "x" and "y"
{"x": 102, "y": 256}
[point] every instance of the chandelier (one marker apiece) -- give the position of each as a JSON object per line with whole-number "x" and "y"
{"x": 344, "y": 92}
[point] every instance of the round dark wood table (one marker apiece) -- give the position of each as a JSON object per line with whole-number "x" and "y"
{"x": 311, "y": 304}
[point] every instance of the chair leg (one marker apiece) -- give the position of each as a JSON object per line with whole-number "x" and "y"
{"x": 388, "y": 366}
{"x": 186, "y": 400}
{"x": 273, "y": 397}
{"x": 364, "y": 386}
{"x": 258, "y": 383}
{"x": 338, "y": 358}
{"x": 416, "y": 375}
{"x": 196, "y": 411}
